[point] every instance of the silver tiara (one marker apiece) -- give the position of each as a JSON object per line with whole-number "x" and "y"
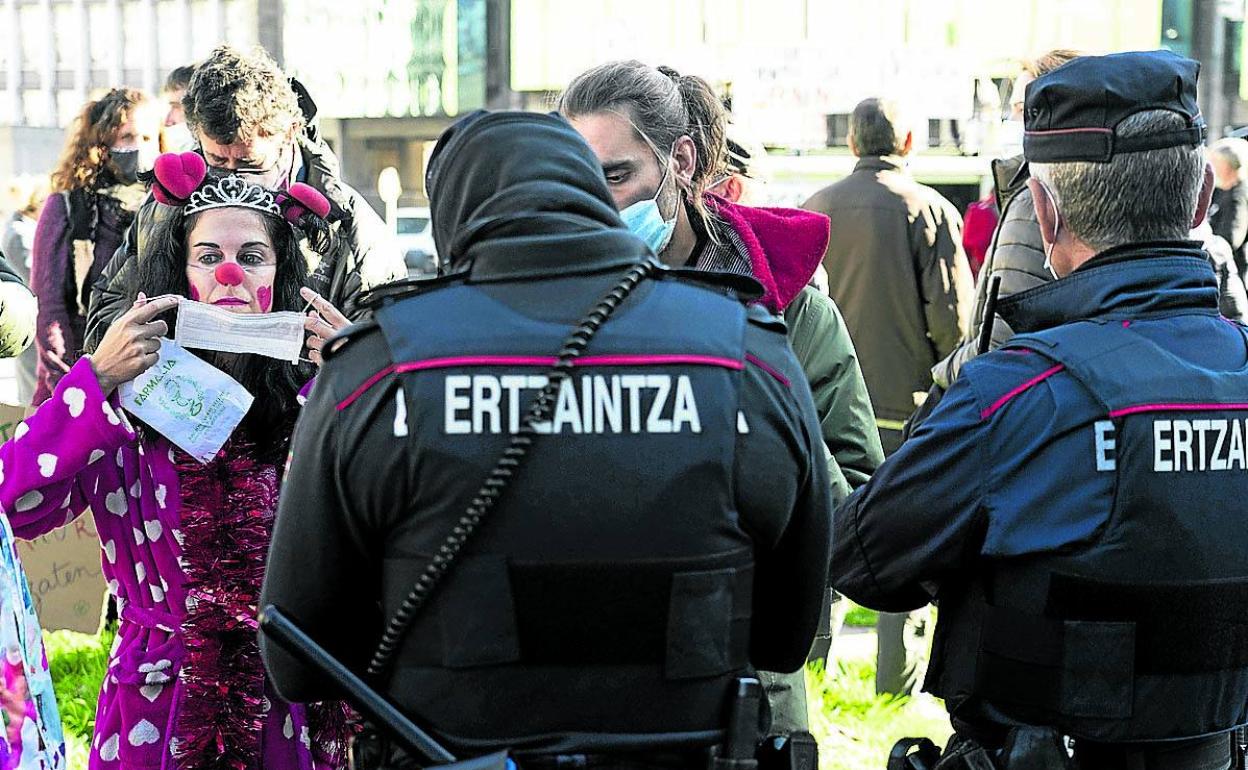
{"x": 232, "y": 191}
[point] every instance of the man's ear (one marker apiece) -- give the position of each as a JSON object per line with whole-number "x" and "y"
{"x": 853, "y": 146}
{"x": 1045, "y": 210}
{"x": 685, "y": 154}
{"x": 1206, "y": 195}
{"x": 908, "y": 144}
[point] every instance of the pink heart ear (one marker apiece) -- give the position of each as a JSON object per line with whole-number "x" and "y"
{"x": 177, "y": 176}
{"x": 311, "y": 198}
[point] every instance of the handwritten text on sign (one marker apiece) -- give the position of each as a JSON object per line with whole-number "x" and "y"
{"x": 63, "y": 566}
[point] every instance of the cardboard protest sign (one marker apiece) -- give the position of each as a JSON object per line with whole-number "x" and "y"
{"x": 62, "y": 567}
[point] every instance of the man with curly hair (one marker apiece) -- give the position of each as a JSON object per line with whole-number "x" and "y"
{"x": 249, "y": 117}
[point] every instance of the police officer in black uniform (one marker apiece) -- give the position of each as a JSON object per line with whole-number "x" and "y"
{"x": 662, "y": 528}
{"x": 1075, "y": 502}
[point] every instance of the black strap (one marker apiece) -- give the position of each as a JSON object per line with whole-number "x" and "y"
{"x": 913, "y": 754}
{"x": 505, "y": 469}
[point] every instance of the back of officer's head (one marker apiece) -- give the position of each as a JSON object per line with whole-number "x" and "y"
{"x": 1117, "y": 141}
{"x": 523, "y": 176}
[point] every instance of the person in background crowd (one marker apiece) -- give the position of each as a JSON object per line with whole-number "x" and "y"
{"x": 176, "y": 136}
{"x": 741, "y": 161}
{"x": 978, "y": 224}
{"x": 26, "y": 195}
{"x": 1229, "y": 213}
{"x": 248, "y": 117}
{"x": 1232, "y": 294}
{"x": 1015, "y": 253}
{"x": 660, "y": 137}
{"x": 95, "y": 194}
{"x": 183, "y": 539}
{"x": 1074, "y": 501}
{"x": 897, "y": 270}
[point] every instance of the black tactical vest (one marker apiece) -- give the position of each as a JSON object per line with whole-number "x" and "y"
{"x": 614, "y": 570}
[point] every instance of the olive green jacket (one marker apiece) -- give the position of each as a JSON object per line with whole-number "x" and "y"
{"x": 821, "y": 342}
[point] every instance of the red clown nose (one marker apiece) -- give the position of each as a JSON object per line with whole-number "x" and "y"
{"x": 229, "y": 274}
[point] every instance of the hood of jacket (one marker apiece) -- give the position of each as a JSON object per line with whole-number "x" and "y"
{"x": 520, "y": 194}
{"x": 785, "y": 246}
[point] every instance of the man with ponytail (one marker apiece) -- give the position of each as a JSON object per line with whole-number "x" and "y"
{"x": 661, "y": 139}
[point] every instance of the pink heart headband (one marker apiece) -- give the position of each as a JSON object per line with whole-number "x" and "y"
{"x": 300, "y": 199}
{"x": 180, "y": 181}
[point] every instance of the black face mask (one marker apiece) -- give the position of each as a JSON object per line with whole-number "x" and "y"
{"x": 125, "y": 165}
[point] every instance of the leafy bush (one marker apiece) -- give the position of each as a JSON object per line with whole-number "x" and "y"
{"x": 78, "y": 662}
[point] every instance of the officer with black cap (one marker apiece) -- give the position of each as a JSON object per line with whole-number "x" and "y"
{"x": 562, "y": 498}
{"x": 1075, "y": 503}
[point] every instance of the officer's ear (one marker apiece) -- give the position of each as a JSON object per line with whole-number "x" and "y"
{"x": 1206, "y": 195}
{"x": 1046, "y": 211}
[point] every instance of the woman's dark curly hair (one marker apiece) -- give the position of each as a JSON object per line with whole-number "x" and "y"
{"x": 275, "y": 384}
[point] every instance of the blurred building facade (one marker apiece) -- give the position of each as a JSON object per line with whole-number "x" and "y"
{"x": 389, "y": 75}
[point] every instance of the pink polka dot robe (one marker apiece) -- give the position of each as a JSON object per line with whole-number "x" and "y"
{"x": 79, "y": 451}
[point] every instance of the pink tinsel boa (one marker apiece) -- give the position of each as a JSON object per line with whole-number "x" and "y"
{"x": 227, "y": 514}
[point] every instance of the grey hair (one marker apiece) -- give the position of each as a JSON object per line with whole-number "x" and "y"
{"x": 875, "y": 127}
{"x": 1231, "y": 150}
{"x": 1136, "y": 196}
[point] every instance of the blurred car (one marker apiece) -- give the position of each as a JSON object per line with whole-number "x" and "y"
{"x": 415, "y": 240}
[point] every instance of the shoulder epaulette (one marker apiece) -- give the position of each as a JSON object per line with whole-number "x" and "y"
{"x": 344, "y": 337}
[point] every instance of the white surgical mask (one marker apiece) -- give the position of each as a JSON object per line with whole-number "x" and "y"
{"x": 178, "y": 138}
{"x": 188, "y": 401}
{"x": 203, "y": 326}
{"x": 1010, "y": 138}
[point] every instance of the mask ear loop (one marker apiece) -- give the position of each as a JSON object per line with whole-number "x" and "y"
{"x": 1057, "y": 228}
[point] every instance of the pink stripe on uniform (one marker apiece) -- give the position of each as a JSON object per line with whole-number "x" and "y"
{"x": 370, "y": 382}
{"x": 454, "y": 361}
{"x": 450, "y": 362}
{"x": 659, "y": 360}
{"x": 761, "y": 364}
{"x": 1000, "y": 402}
{"x": 1176, "y": 408}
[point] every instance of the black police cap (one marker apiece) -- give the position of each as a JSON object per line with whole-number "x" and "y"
{"x": 1070, "y": 113}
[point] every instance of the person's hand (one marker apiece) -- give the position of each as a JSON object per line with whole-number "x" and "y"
{"x": 130, "y": 346}
{"x": 322, "y": 323}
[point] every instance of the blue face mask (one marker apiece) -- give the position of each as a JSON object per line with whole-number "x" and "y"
{"x": 644, "y": 220}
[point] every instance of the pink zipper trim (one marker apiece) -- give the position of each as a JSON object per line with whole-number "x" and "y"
{"x": 450, "y": 362}
{"x": 1176, "y": 408}
{"x": 1000, "y": 402}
